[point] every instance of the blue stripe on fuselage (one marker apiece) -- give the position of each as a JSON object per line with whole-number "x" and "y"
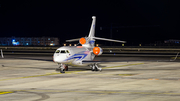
{"x": 77, "y": 56}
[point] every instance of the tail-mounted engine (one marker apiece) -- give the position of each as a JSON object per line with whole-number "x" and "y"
{"x": 87, "y": 42}
{"x": 82, "y": 41}
{"x": 97, "y": 51}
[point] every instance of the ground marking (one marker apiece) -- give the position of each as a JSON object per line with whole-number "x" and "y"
{"x": 68, "y": 72}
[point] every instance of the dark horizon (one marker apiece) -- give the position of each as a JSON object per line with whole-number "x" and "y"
{"x": 135, "y": 21}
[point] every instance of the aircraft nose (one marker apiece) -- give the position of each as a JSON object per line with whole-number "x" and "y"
{"x": 58, "y": 58}
{"x": 55, "y": 58}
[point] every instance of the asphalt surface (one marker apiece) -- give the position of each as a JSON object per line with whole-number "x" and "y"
{"x": 107, "y": 57}
{"x": 131, "y": 77}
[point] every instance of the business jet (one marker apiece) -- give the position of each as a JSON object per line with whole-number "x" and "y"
{"x": 81, "y": 55}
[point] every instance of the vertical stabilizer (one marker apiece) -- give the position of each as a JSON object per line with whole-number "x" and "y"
{"x": 92, "y": 30}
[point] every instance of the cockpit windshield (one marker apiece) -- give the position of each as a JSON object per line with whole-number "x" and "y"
{"x": 67, "y": 51}
{"x": 62, "y": 51}
{"x": 57, "y": 51}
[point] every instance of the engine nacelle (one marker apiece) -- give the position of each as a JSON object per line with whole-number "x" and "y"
{"x": 97, "y": 51}
{"x": 82, "y": 41}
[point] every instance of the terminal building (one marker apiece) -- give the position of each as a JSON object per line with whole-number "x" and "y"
{"x": 29, "y": 41}
{"x": 172, "y": 41}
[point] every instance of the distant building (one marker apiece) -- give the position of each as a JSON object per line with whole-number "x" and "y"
{"x": 29, "y": 41}
{"x": 172, "y": 41}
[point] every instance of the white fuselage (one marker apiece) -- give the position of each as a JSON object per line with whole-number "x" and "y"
{"x": 73, "y": 55}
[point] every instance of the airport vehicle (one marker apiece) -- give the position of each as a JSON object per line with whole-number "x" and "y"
{"x": 80, "y": 55}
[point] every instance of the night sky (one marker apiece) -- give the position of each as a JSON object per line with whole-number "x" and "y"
{"x": 136, "y": 21}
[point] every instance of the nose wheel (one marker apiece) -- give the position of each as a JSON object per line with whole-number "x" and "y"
{"x": 95, "y": 67}
{"x": 63, "y": 68}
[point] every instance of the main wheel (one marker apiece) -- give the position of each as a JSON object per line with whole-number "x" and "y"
{"x": 62, "y": 70}
{"x": 92, "y": 68}
{"x": 96, "y": 69}
{"x": 66, "y": 68}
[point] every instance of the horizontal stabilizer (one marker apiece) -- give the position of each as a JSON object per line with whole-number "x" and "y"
{"x": 109, "y": 39}
{"x": 71, "y": 40}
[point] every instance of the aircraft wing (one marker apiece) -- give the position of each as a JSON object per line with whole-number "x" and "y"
{"x": 170, "y": 60}
{"x": 90, "y": 62}
{"x": 96, "y": 61}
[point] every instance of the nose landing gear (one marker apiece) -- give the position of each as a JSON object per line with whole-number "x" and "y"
{"x": 63, "y": 68}
{"x": 95, "y": 67}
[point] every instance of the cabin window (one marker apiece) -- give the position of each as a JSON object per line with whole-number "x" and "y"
{"x": 62, "y": 51}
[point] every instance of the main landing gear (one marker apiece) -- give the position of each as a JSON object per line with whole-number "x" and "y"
{"x": 95, "y": 67}
{"x": 63, "y": 68}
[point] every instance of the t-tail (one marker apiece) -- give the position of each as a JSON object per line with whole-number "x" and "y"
{"x": 90, "y": 40}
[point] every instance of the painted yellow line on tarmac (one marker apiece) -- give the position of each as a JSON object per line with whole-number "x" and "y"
{"x": 67, "y": 72}
{"x": 5, "y": 92}
{"x": 92, "y": 92}
{"x": 47, "y": 74}
{"x": 175, "y": 57}
{"x": 29, "y": 76}
{"x": 126, "y": 74}
{"x": 123, "y": 65}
